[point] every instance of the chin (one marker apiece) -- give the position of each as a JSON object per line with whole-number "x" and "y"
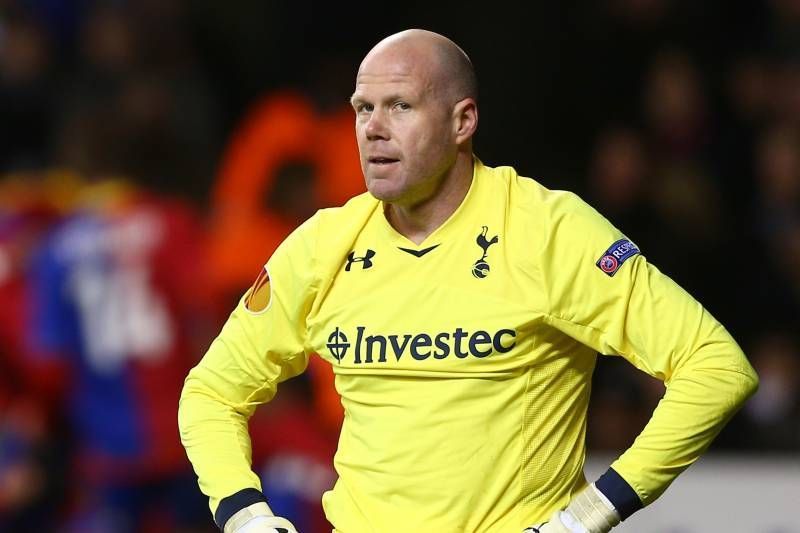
{"x": 384, "y": 190}
{"x": 384, "y": 195}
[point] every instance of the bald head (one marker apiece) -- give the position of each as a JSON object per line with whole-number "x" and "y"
{"x": 446, "y": 66}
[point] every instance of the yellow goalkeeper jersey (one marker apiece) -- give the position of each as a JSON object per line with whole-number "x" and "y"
{"x": 463, "y": 363}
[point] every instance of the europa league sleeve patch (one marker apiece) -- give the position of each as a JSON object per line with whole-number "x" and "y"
{"x": 260, "y": 294}
{"x": 617, "y": 253}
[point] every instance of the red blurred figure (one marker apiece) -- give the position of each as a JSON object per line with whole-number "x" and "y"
{"x": 120, "y": 296}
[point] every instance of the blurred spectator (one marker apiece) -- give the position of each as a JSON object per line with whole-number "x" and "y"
{"x": 119, "y": 294}
{"x": 108, "y": 42}
{"x": 264, "y": 190}
{"x": 750, "y": 89}
{"x": 675, "y": 107}
{"x": 620, "y": 182}
{"x": 778, "y": 173}
{"x": 282, "y": 163}
{"x": 778, "y": 221}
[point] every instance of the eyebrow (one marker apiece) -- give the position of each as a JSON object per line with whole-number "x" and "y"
{"x": 391, "y": 98}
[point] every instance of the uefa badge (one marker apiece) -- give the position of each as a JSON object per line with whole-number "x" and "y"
{"x": 617, "y": 253}
{"x": 608, "y": 264}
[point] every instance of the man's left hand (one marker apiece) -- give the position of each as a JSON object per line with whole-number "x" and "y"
{"x": 588, "y": 512}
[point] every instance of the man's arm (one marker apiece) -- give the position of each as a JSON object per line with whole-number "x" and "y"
{"x": 261, "y": 345}
{"x": 625, "y": 306}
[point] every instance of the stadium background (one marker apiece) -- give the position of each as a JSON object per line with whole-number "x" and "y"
{"x": 214, "y": 128}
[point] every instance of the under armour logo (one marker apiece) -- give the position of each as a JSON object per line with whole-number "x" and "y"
{"x": 337, "y": 344}
{"x": 365, "y": 261}
{"x": 481, "y": 268}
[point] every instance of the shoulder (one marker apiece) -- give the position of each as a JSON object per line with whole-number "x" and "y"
{"x": 329, "y": 222}
{"x": 529, "y": 196}
{"x": 356, "y": 209}
{"x": 328, "y": 228}
{"x": 549, "y": 217}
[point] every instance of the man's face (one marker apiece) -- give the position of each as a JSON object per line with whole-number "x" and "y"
{"x": 403, "y": 127}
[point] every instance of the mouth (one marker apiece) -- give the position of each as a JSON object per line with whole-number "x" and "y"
{"x": 382, "y": 161}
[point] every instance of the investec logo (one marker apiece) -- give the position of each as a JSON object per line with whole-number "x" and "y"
{"x": 459, "y": 343}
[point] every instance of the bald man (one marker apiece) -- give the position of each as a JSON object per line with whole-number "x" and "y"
{"x": 462, "y": 308}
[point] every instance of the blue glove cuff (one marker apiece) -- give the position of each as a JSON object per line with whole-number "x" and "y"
{"x": 234, "y": 503}
{"x": 619, "y": 493}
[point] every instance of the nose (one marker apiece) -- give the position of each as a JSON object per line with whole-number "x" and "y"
{"x": 375, "y": 128}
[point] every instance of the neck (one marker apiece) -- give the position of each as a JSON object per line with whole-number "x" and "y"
{"x": 417, "y": 221}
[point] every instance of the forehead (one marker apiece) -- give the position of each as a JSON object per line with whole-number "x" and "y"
{"x": 393, "y": 72}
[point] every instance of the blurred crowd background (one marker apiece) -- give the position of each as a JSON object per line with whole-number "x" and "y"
{"x": 154, "y": 152}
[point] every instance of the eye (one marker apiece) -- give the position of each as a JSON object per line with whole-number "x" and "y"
{"x": 364, "y": 108}
{"x": 401, "y": 106}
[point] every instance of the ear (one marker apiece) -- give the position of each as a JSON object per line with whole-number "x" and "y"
{"x": 465, "y": 119}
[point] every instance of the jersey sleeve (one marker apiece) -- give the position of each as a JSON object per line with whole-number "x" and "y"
{"x": 602, "y": 292}
{"x": 261, "y": 345}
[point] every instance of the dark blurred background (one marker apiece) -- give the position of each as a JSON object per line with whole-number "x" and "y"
{"x": 154, "y": 152}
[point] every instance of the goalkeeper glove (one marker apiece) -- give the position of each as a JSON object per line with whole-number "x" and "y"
{"x": 588, "y": 512}
{"x": 257, "y": 518}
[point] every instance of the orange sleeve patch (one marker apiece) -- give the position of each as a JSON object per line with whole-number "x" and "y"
{"x": 260, "y": 293}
